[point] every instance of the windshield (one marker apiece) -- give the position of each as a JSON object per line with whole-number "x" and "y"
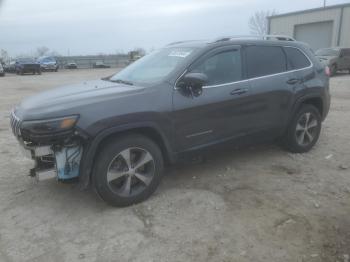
{"x": 48, "y": 59}
{"x": 155, "y": 66}
{"x": 26, "y": 60}
{"x": 327, "y": 52}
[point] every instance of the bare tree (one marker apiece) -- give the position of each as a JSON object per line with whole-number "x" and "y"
{"x": 40, "y": 51}
{"x": 258, "y": 22}
{"x": 141, "y": 51}
{"x": 4, "y": 56}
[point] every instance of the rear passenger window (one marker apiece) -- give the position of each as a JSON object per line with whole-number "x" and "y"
{"x": 222, "y": 68}
{"x": 296, "y": 59}
{"x": 265, "y": 60}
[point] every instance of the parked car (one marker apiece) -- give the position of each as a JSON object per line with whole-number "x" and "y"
{"x": 100, "y": 65}
{"x": 71, "y": 65}
{"x": 336, "y": 59}
{"x": 2, "y": 70}
{"x": 48, "y": 63}
{"x": 25, "y": 65}
{"x": 118, "y": 133}
{"x": 10, "y": 67}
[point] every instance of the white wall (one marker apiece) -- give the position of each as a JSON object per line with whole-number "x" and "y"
{"x": 285, "y": 24}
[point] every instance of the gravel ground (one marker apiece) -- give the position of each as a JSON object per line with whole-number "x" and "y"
{"x": 255, "y": 204}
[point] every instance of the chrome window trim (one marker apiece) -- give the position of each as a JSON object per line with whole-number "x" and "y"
{"x": 259, "y": 77}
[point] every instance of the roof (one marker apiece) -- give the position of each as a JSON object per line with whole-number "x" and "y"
{"x": 231, "y": 41}
{"x": 311, "y": 10}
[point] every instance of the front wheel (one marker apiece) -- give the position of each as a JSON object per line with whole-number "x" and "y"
{"x": 304, "y": 130}
{"x": 128, "y": 170}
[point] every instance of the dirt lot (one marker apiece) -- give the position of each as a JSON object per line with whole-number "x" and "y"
{"x": 256, "y": 204}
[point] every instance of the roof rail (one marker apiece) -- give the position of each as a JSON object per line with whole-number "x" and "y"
{"x": 181, "y": 42}
{"x": 261, "y": 37}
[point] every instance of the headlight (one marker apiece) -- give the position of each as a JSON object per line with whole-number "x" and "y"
{"x": 49, "y": 126}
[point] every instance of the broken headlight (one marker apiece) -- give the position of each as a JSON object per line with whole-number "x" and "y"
{"x": 49, "y": 126}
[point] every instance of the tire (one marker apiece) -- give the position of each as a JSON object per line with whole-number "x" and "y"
{"x": 333, "y": 70}
{"x": 114, "y": 188}
{"x": 297, "y": 140}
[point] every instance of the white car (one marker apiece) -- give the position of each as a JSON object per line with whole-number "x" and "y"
{"x": 2, "y": 71}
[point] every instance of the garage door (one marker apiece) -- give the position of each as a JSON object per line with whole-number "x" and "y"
{"x": 317, "y": 35}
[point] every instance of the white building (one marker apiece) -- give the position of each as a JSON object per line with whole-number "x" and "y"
{"x": 320, "y": 27}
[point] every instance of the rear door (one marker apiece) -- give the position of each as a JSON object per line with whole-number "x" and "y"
{"x": 271, "y": 85}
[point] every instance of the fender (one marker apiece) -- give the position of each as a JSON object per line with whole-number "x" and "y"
{"x": 91, "y": 147}
{"x": 301, "y": 100}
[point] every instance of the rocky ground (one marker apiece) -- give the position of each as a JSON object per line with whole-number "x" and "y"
{"x": 254, "y": 204}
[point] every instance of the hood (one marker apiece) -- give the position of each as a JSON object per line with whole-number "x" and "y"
{"x": 28, "y": 63}
{"x": 326, "y": 60}
{"x": 67, "y": 99}
{"x": 48, "y": 63}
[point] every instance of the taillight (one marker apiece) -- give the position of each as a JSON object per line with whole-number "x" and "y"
{"x": 327, "y": 71}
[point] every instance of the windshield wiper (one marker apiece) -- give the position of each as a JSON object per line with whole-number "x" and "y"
{"x": 120, "y": 81}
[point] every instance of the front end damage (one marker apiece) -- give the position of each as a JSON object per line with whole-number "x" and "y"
{"x": 55, "y": 161}
{"x": 55, "y": 156}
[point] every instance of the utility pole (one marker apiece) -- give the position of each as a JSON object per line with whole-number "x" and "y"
{"x": 324, "y": 3}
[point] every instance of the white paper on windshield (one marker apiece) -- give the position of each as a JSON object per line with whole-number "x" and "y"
{"x": 179, "y": 53}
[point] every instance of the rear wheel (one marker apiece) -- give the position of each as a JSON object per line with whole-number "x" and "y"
{"x": 304, "y": 130}
{"x": 128, "y": 170}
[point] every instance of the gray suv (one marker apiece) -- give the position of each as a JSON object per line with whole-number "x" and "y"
{"x": 117, "y": 133}
{"x": 336, "y": 59}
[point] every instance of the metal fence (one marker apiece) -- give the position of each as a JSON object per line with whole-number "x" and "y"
{"x": 89, "y": 61}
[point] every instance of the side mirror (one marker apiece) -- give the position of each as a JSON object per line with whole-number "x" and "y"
{"x": 192, "y": 84}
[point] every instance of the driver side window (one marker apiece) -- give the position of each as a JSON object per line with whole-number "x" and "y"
{"x": 221, "y": 68}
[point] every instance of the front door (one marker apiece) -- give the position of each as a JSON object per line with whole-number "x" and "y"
{"x": 218, "y": 113}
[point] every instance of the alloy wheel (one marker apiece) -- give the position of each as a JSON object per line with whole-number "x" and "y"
{"x": 131, "y": 172}
{"x": 306, "y": 129}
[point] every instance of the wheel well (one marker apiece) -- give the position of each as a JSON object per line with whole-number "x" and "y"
{"x": 148, "y": 132}
{"x": 316, "y": 102}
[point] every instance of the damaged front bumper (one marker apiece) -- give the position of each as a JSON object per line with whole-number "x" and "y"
{"x": 54, "y": 161}
{"x": 55, "y": 156}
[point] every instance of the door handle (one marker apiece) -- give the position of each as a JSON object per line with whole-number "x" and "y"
{"x": 293, "y": 81}
{"x": 239, "y": 91}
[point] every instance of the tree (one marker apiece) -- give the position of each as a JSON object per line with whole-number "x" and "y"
{"x": 40, "y": 51}
{"x": 141, "y": 51}
{"x": 258, "y": 22}
{"x": 4, "y": 56}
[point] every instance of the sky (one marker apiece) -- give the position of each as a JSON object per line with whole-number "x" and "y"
{"x": 81, "y": 27}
